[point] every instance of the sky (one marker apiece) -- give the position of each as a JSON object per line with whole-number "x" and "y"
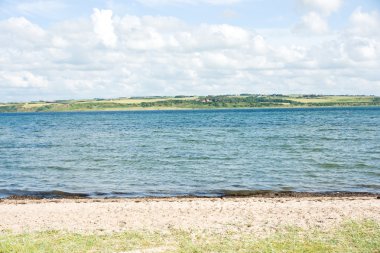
{"x": 73, "y": 49}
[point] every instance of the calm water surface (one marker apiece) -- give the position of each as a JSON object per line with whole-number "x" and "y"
{"x": 205, "y": 152}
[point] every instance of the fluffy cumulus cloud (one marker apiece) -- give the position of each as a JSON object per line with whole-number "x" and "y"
{"x": 105, "y": 55}
{"x": 103, "y": 27}
{"x": 315, "y": 21}
{"x": 362, "y": 38}
{"x": 312, "y": 22}
{"x": 22, "y": 79}
{"x": 20, "y": 26}
{"x": 365, "y": 23}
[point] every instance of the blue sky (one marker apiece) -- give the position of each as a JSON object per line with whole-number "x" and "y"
{"x": 83, "y": 49}
{"x": 249, "y": 13}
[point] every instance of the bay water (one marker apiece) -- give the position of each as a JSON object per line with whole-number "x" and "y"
{"x": 190, "y": 152}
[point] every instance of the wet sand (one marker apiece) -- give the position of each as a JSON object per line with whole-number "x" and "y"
{"x": 253, "y": 215}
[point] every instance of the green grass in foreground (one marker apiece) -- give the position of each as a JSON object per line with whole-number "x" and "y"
{"x": 350, "y": 237}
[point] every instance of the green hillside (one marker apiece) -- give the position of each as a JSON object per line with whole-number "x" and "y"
{"x": 191, "y": 102}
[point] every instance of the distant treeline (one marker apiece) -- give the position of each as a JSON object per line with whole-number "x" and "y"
{"x": 221, "y": 102}
{"x": 191, "y": 102}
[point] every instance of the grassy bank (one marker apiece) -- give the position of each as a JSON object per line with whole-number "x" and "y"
{"x": 191, "y": 102}
{"x": 350, "y": 237}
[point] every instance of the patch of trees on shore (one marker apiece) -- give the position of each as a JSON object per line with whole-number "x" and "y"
{"x": 194, "y": 102}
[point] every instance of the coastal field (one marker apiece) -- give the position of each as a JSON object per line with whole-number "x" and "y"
{"x": 191, "y": 102}
{"x": 307, "y": 224}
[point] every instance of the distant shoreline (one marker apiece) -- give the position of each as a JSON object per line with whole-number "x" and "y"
{"x": 222, "y": 102}
{"x": 196, "y": 109}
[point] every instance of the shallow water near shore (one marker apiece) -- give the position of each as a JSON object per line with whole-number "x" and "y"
{"x": 199, "y": 153}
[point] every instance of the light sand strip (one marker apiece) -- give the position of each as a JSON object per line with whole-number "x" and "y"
{"x": 256, "y": 215}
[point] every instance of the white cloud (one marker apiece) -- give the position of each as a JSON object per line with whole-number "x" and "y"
{"x": 260, "y": 45}
{"x": 155, "y": 55}
{"x": 103, "y": 27}
{"x": 361, "y": 39}
{"x": 312, "y": 22}
{"x": 292, "y": 55}
{"x": 326, "y": 7}
{"x": 363, "y": 23}
{"x": 59, "y": 42}
{"x": 363, "y": 49}
{"x": 222, "y": 35}
{"x": 315, "y": 21}
{"x": 21, "y": 26}
{"x": 22, "y": 79}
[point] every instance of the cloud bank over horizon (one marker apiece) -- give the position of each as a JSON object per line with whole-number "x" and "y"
{"x": 112, "y": 51}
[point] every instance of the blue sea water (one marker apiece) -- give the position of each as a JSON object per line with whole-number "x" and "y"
{"x": 190, "y": 152}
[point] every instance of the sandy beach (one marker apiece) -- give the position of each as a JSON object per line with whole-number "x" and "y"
{"x": 253, "y": 215}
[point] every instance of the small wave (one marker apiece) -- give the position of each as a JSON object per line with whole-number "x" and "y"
{"x": 362, "y": 165}
{"x": 369, "y": 186}
{"x": 373, "y": 173}
{"x": 58, "y": 168}
{"x": 330, "y": 165}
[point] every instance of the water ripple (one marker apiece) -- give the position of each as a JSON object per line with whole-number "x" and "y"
{"x": 171, "y": 153}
